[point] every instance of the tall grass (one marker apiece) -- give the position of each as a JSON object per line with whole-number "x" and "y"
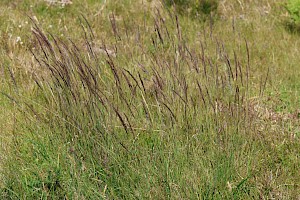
{"x": 160, "y": 117}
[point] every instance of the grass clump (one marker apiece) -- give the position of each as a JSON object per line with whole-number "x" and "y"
{"x": 117, "y": 117}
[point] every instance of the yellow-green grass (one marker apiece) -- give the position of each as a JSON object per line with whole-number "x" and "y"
{"x": 198, "y": 155}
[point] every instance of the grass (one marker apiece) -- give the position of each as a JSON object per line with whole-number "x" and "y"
{"x": 98, "y": 104}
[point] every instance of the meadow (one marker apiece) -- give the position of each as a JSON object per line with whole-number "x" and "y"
{"x": 139, "y": 99}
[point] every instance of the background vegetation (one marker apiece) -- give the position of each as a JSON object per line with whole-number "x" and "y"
{"x": 293, "y": 7}
{"x": 201, "y": 9}
{"x": 147, "y": 99}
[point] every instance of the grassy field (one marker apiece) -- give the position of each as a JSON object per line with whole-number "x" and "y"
{"x": 131, "y": 100}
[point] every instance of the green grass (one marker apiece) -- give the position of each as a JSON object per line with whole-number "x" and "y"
{"x": 178, "y": 112}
